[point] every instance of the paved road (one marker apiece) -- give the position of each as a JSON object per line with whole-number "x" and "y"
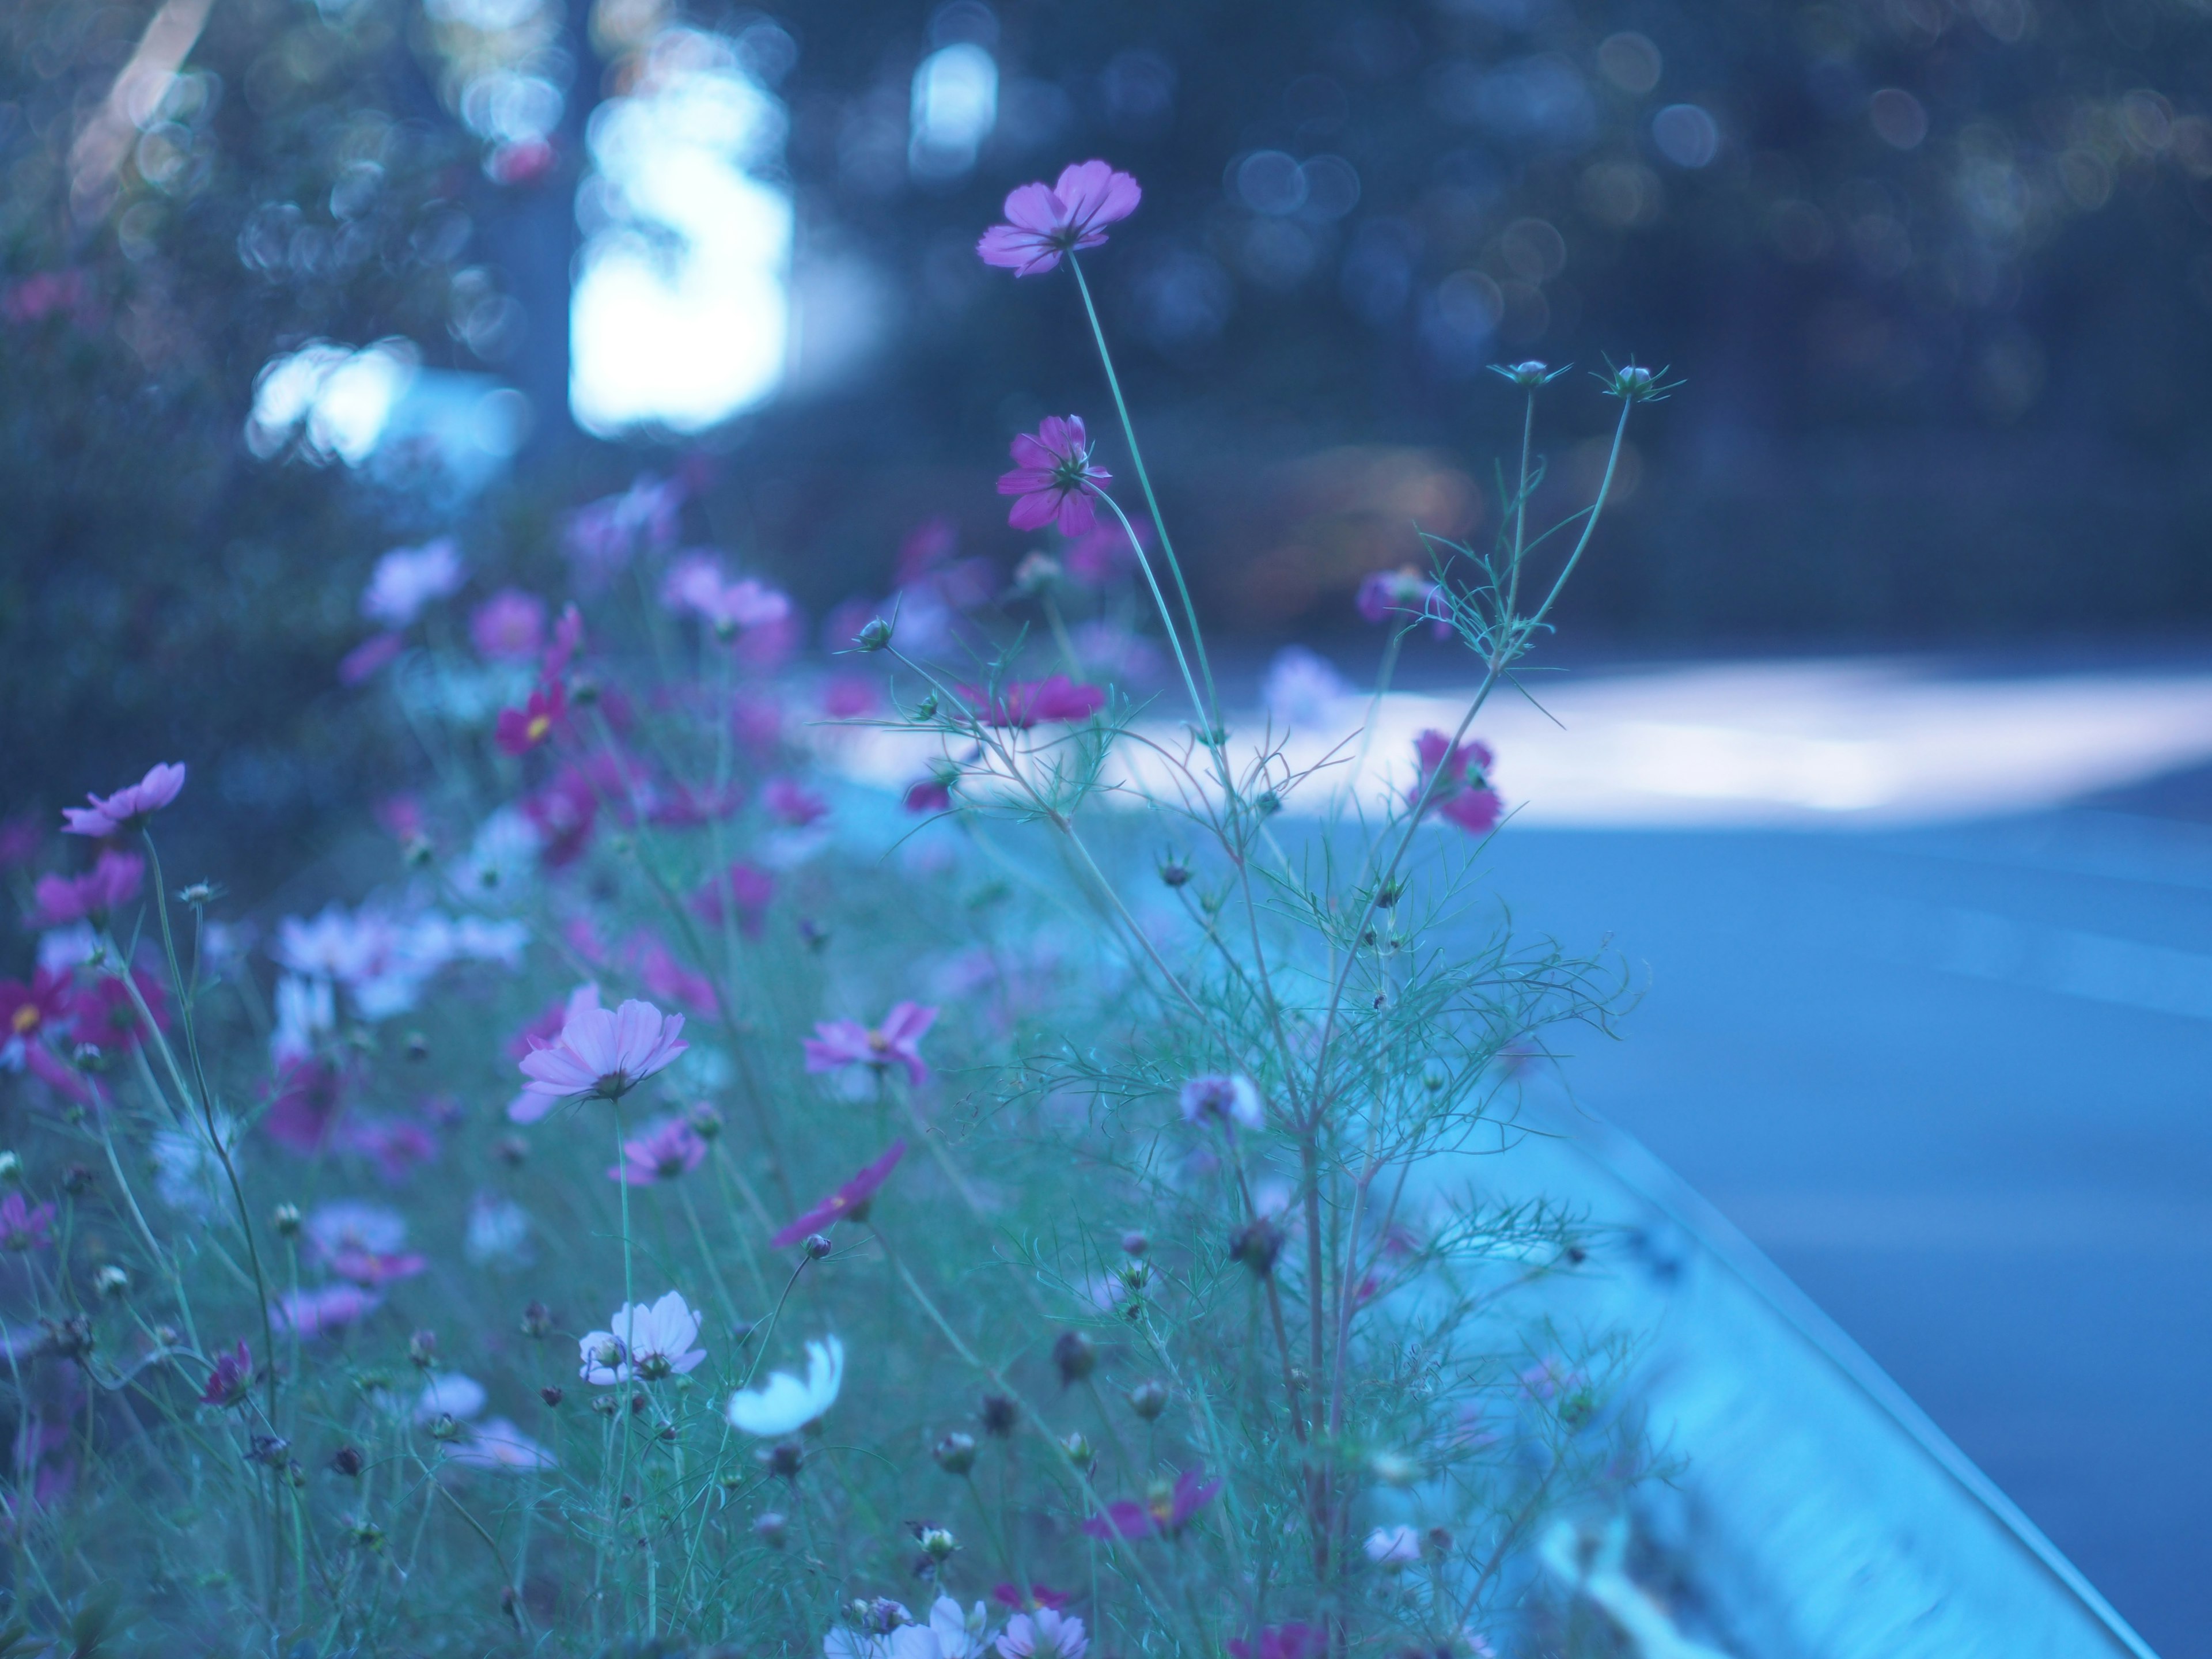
{"x": 1955, "y": 1083}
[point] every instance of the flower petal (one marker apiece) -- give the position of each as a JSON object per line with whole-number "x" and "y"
{"x": 1035, "y": 208}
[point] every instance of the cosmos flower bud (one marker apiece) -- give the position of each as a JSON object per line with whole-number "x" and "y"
{"x": 270, "y": 1449}
{"x": 772, "y": 1529}
{"x": 537, "y": 1319}
{"x": 1075, "y": 1356}
{"x": 706, "y": 1122}
{"x": 1077, "y": 1449}
{"x": 511, "y": 1150}
{"x": 445, "y": 1427}
{"x": 552, "y": 1393}
{"x": 423, "y": 1350}
{"x": 1135, "y": 1243}
{"x": 956, "y": 1453}
{"x": 875, "y": 636}
{"x": 418, "y": 1046}
{"x": 415, "y": 852}
{"x": 112, "y": 1280}
{"x": 817, "y": 1246}
{"x": 927, "y": 708}
{"x": 199, "y": 893}
{"x": 1037, "y": 573}
{"x": 348, "y": 1462}
{"x": 11, "y": 1167}
{"x": 1175, "y": 872}
{"x": 365, "y": 1534}
{"x": 77, "y": 1178}
{"x": 999, "y": 1415}
{"x": 785, "y": 1458}
{"x": 1148, "y": 1400}
{"x": 1529, "y": 374}
{"x": 1439, "y": 1541}
{"x": 937, "y": 1543}
{"x": 1387, "y": 895}
{"x": 285, "y": 1218}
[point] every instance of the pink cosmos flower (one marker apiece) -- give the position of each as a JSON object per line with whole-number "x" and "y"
{"x": 305, "y": 1102}
{"x": 520, "y": 730}
{"x": 1165, "y": 1510}
{"x": 24, "y": 1227}
{"x": 1103, "y": 553}
{"x": 1044, "y": 1634}
{"x": 233, "y": 1376}
{"x": 103, "y": 1014}
{"x": 649, "y": 1342}
{"x": 370, "y": 658}
{"x": 602, "y": 1055}
{"x": 849, "y": 1201}
{"x": 396, "y": 1145}
{"x": 1022, "y": 704}
{"x": 563, "y": 813}
{"x": 508, "y": 627}
{"x": 497, "y": 1443}
{"x": 361, "y": 1243}
{"x": 1043, "y": 223}
{"x": 745, "y": 889}
{"x": 1463, "y": 793}
{"x": 1053, "y": 478}
{"x": 838, "y": 1043}
{"x": 114, "y": 879}
{"x": 847, "y": 697}
{"x": 793, "y": 803}
{"x": 129, "y": 807}
{"x": 332, "y": 1308}
{"x": 665, "y": 976}
{"x": 545, "y": 1030}
{"x": 661, "y": 1151}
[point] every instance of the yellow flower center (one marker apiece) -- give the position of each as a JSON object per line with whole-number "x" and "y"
{"x": 27, "y": 1017}
{"x": 538, "y": 727}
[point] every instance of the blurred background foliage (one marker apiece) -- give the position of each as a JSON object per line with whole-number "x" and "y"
{"x": 1939, "y": 273}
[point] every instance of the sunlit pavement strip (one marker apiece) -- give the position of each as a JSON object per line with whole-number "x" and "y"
{"x": 1811, "y": 744}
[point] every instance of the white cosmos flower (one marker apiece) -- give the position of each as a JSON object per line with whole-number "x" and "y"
{"x": 785, "y": 1403}
{"x": 649, "y": 1342}
{"x": 959, "y": 1636}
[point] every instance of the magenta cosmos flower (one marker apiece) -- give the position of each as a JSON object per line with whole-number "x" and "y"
{"x": 129, "y": 807}
{"x": 600, "y": 1055}
{"x": 1463, "y": 793}
{"x": 233, "y": 1376}
{"x": 1283, "y": 1642}
{"x": 849, "y": 1201}
{"x": 22, "y": 1226}
{"x": 519, "y": 730}
{"x": 661, "y": 1151}
{"x": 1165, "y": 1510}
{"x": 1021, "y": 704}
{"x": 1045, "y": 222}
{"x": 838, "y": 1043}
{"x": 1053, "y": 478}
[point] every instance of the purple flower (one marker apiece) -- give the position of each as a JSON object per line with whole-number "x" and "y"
{"x": 567, "y": 640}
{"x": 26, "y": 1011}
{"x": 1283, "y": 1642}
{"x": 232, "y": 1377}
{"x": 23, "y": 1227}
{"x": 129, "y": 807}
{"x": 665, "y": 976}
{"x": 602, "y": 1055}
{"x": 929, "y": 795}
{"x": 1165, "y": 1510}
{"x": 1053, "y": 478}
{"x": 1021, "y": 704}
{"x": 838, "y": 1043}
{"x": 661, "y": 1151}
{"x": 370, "y": 658}
{"x": 794, "y": 804}
{"x": 408, "y": 578}
{"x": 649, "y": 1342}
{"x": 1405, "y": 592}
{"x": 306, "y": 1100}
{"x": 1032, "y": 1595}
{"x": 744, "y": 889}
{"x": 334, "y": 1307}
{"x": 1463, "y": 793}
{"x": 1231, "y": 1099}
{"x": 361, "y": 1243}
{"x": 850, "y": 1200}
{"x": 1044, "y": 1634}
{"x": 508, "y": 627}
{"x": 114, "y": 879}
{"x": 1046, "y": 222}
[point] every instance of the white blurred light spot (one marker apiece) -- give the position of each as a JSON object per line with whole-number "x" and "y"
{"x": 1685, "y": 135}
{"x": 681, "y": 315}
{"x": 333, "y": 399}
{"x": 956, "y": 105}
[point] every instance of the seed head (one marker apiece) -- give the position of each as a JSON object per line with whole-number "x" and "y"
{"x": 1075, "y": 1356}
{"x": 956, "y": 1453}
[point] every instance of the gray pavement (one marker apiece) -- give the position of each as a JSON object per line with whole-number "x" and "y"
{"x": 1953, "y": 1082}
